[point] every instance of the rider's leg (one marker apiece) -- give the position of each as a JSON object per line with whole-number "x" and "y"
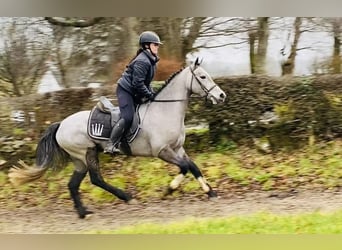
{"x": 127, "y": 109}
{"x": 115, "y": 137}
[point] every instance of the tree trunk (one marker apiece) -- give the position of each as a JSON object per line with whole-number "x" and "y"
{"x": 289, "y": 64}
{"x": 262, "y": 36}
{"x": 128, "y": 40}
{"x": 251, "y": 38}
{"x": 336, "y": 61}
{"x": 194, "y": 33}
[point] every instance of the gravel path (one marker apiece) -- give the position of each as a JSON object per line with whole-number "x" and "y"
{"x": 61, "y": 218}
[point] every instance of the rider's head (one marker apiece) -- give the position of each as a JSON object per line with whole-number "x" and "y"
{"x": 149, "y": 40}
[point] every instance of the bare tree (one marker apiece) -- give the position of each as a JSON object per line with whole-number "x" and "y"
{"x": 90, "y": 53}
{"x": 73, "y": 21}
{"x": 170, "y": 31}
{"x": 288, "y": 65}
{"x": 336, "y": 62}
{"x": 22, "y": 61}
{"x": 218, "y": 32}
{"x": 263, "y": 33}
{"x": 302, "y": 25}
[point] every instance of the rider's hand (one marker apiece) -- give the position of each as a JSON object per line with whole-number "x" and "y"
{"x": 151, "y": 97}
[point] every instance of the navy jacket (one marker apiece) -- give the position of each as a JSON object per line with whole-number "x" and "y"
{"x": 137, "y": 77}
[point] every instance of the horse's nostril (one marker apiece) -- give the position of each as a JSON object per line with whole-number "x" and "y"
{"x": 222, "y": 95}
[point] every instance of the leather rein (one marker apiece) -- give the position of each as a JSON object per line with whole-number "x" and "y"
{"x": 207, "y": 91}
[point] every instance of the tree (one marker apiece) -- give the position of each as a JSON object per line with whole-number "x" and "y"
{"x": 218, "y": 32}
{"x": 258, "y": 61}
{"x": 336, "y": 61}
{"x": 73, "y": 21}
{"x": 90, "y": 52}
{"x": 288, "y": 65}
{"x": 22, "y": 61}
{"x": 169, "y": 30}
{"x": 292, "y": 46}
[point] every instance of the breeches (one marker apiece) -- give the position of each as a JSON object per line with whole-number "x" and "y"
{"x": 126, "y": 105}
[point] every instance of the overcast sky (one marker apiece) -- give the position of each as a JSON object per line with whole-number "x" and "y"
{"x": 235, "y": 61}
{"x": 231, "y": 60}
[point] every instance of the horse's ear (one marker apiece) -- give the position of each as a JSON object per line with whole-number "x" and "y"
{"x": 198, "y": 62}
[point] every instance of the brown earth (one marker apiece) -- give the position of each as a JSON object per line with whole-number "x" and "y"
{"x": 59, "y": 217}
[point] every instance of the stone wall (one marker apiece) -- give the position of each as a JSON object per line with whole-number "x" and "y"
{"x": 286, "y": 110}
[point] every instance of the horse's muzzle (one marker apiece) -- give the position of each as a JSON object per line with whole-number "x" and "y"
{"x": 222, "y": 97}
{"x": 217, "y": 98}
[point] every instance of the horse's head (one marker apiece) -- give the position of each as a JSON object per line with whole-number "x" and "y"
{"x": 202, "y": 84}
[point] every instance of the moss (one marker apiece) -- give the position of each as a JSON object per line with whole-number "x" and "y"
{"x": 285, "y": 112}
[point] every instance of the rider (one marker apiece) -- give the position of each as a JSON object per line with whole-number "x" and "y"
{"x": 134, "y": 86}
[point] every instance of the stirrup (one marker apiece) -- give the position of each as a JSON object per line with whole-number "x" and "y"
{"x": 111, "y": 149}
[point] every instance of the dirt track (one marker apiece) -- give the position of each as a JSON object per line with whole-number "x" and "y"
{"x": 61, "y": 218}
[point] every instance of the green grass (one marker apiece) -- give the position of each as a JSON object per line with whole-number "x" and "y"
{"x": 317, "y": 166}
{"x": 260, "y": 223}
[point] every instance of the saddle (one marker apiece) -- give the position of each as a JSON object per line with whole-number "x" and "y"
{"x": 104, "y": 116}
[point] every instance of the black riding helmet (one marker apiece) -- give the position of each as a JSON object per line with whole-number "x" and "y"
{"x": 149, "y": 37}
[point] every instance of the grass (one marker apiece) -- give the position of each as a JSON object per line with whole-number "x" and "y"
{"x": 318, "y": 166}
{"x": 260, "y": 223}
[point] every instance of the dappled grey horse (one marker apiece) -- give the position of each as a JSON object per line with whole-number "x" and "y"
{"x": 161, "y": 134}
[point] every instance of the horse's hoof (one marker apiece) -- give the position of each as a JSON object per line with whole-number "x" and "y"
{"x": 169, "y": 191}
{"x": 132, "y": 202}
{"x": 88, "y": 215}
{"x": 212, "y": 194}
{"x": 85, "y": 214}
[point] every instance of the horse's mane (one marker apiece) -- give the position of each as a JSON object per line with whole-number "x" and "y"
{"x": 168, "y": 80}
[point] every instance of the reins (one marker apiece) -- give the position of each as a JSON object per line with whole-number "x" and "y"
{"x": 207, "y": 91}
{"x": 175, "y": 100}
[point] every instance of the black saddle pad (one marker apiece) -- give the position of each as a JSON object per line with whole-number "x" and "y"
{"x": 100, "y": 124}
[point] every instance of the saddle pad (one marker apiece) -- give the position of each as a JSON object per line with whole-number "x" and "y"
{"x": 99, "y": 124}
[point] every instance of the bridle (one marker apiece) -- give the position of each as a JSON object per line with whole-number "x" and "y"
{"x": 207, "y": 91}
{"x": 193, "y": 76}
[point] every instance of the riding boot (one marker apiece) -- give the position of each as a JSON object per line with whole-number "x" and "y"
{"x": 115, "y": 137}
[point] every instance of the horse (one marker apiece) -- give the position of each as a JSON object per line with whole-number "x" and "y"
{"x": 161, "y": 135}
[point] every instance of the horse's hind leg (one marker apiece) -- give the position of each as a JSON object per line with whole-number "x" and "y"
{"x": 74, "y": 185}
{"x": 97, "y": 179}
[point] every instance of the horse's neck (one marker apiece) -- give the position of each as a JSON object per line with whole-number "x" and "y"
{"x": 175, "y": 90}
{"x": 176, "y": 96}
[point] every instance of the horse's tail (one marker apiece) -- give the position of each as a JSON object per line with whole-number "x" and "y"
{"x": 48, "y": 155}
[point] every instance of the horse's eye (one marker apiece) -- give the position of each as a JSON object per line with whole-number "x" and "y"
{"x": 202, "y": 77}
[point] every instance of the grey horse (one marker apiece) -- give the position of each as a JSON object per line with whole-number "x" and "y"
{"x": 162, "y": 135}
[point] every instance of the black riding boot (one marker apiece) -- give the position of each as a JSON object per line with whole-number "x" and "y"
{"x": 115, "y": 137}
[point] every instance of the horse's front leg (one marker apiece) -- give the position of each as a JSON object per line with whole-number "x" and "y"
{"x": 196, "y": 172}
{"x": 169, "y": 155}
{"x": 185, "y": 164}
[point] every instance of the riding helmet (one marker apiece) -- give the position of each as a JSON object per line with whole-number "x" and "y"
{"x": 149, "y": 37}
